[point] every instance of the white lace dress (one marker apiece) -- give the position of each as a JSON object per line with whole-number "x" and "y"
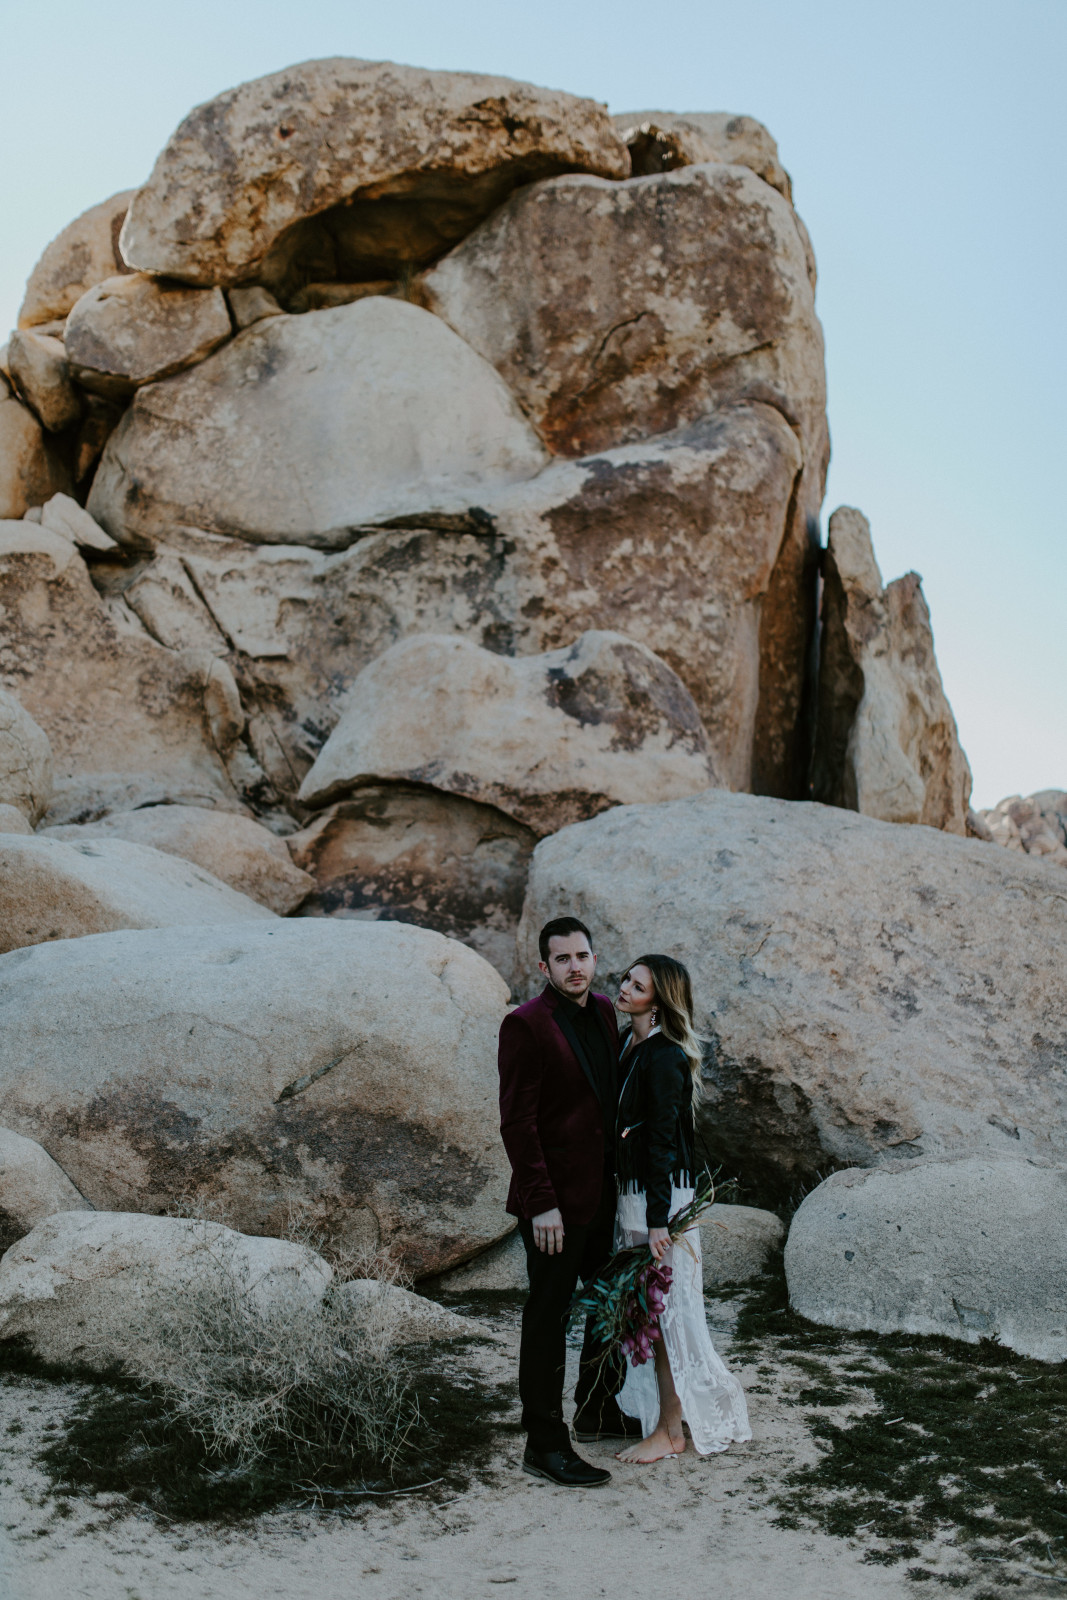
{"x": 713, "y": 1402}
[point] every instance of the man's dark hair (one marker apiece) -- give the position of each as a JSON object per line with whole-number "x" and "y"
{"x": 562, "y": 928}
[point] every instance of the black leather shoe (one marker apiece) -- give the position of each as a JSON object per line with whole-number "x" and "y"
{"x": 565, "y": 1468}
{"x": 617, "y": 1425}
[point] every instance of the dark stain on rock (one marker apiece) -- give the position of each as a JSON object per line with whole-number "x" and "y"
{"x": 637, "y": 700}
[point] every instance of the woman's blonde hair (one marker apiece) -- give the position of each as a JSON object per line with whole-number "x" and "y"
{"x": 673, "y": 991}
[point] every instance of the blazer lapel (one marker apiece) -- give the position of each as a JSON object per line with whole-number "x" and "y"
{"x": 563, "y": 1024}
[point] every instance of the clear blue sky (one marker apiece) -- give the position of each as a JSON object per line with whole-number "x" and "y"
{"x": 928, "y": 148}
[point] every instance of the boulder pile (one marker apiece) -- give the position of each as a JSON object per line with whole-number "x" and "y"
{"x": 409, "y": 521}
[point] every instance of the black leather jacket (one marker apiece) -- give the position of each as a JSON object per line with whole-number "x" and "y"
{"x": 654, "y": 1134}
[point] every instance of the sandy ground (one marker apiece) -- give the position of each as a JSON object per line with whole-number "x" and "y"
{"x": 686, "y": 1528}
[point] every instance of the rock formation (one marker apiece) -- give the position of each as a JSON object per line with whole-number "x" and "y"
{"x": 866, "y": 990}
{"x": 1036, "y": 824}
{"x": 417, "y": 464}
{"x": 975, "y": 1249}
{"x": 886, "y": 741}
{"x": 348, "y": 1069}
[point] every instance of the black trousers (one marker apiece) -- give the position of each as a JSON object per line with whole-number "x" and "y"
{"x": 543, "y": 1350}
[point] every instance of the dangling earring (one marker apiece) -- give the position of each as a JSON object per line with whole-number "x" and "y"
{"x": 655, "y": 1017}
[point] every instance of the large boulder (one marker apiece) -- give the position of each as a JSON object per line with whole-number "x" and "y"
{"x": 345, "y": 1069}
{"x": 410, "y": 854}
{"x": 133, "y": 329}
{"x": 86, "y": 252}
{"x": 25, "y": 761}
{"x": 866, "y": 990}
{"x": 619, "y": 310}
{"x": 660, "y": 141}
{"x": 973, "y": 1249}
{"x": 886, "y": 739}
{"x": 547, "y": 739}
{"x": 404, "y": 161}
{"x": 31, "y": 471}
{"x": 1035, "y": 824}
{"x": 52, "y": 889}
{"x": 74, "y": 1287}
{"x": 41, "y": 373}
{"x": 130, "y": 722}
{"x": 303, "y": 428}
{"x": 32, "y": 1187}
{"x": 233, "y": 849}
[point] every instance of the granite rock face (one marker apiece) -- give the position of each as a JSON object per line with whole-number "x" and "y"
{"x": 41, "y": 373}
{"x": 409, "y": 854}
{"x": 134, "y": 329}
{"x": 231, "y": 848}
{"x": 867, "y": 991}
{"x": 345, "y": 1068}
{"x": 349, "y": 169}
{"x": 73, "y": 1287}
{"x": 130, "y": 722}
{"x": 85, "y": 253}
{"x": 660, "y": 141}
{"x": 32, "y": 1187}
{"x": 546, "y": 739}
{"x": 972, "y": 1249}
{"x": 31, "y": 471}
{"x": 886, "y": 741}
{"x": 54, "y": 889}
{"x": 302, "y": 429}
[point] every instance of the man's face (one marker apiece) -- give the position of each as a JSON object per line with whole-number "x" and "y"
{"x": 570, "y": 965}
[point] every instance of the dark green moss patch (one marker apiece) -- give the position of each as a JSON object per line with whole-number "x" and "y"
{"x": 937, "y": 1437}
{"x": 123, "y": 1437}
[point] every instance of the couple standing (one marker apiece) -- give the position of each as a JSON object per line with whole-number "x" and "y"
{"x": 599, "y": 1132}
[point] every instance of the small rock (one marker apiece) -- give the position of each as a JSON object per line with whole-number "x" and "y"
{"x": 1036, "y": 825}
{"x": 660, "y": 141}
{"x": 547, "y": 739}
{"x": 973, "y": 1249}
{"x": 84, "y": 254}
{"x": 64, "y": 515}
{"x": 32, "y": 1187}
{"x": 25, "y": 761}
{"x": 403, "y": 1317}
{"x": 502, "y": 1267}
{"x": 252, "y": 305}
{"x": 41, "y": 372}
{"x": 134, "y": 329}
{"x": 737, "y": 1242}
{"x": 72, "y": 1287}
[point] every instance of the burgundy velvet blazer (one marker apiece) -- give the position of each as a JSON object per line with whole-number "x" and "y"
{"x": 551, "y": 1121}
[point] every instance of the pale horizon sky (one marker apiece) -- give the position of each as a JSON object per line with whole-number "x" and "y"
{"x": 927, "y": 145}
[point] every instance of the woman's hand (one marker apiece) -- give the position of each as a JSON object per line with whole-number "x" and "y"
{"x": 659, "y": 1242}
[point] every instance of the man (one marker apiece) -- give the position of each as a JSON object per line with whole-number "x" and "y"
{"x": 558, "y": 1092}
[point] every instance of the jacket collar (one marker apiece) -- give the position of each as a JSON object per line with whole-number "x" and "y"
{"x": 551, "y": 998}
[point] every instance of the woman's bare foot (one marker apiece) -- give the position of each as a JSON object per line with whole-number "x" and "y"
{"x": 665, "y": 1440}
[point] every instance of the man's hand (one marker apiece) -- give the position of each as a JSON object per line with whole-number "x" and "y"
{"x": 548, "y": 1232}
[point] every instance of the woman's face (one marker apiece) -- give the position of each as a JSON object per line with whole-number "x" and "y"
{"x": 636, "y": 994}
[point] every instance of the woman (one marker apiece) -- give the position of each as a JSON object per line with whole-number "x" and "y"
{"x": 654, "y": 1139}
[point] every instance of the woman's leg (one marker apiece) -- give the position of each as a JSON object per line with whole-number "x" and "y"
{"x": 666, "y": 1438}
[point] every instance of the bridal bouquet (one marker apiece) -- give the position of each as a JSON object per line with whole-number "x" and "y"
{"x": 626, "y": 1300}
